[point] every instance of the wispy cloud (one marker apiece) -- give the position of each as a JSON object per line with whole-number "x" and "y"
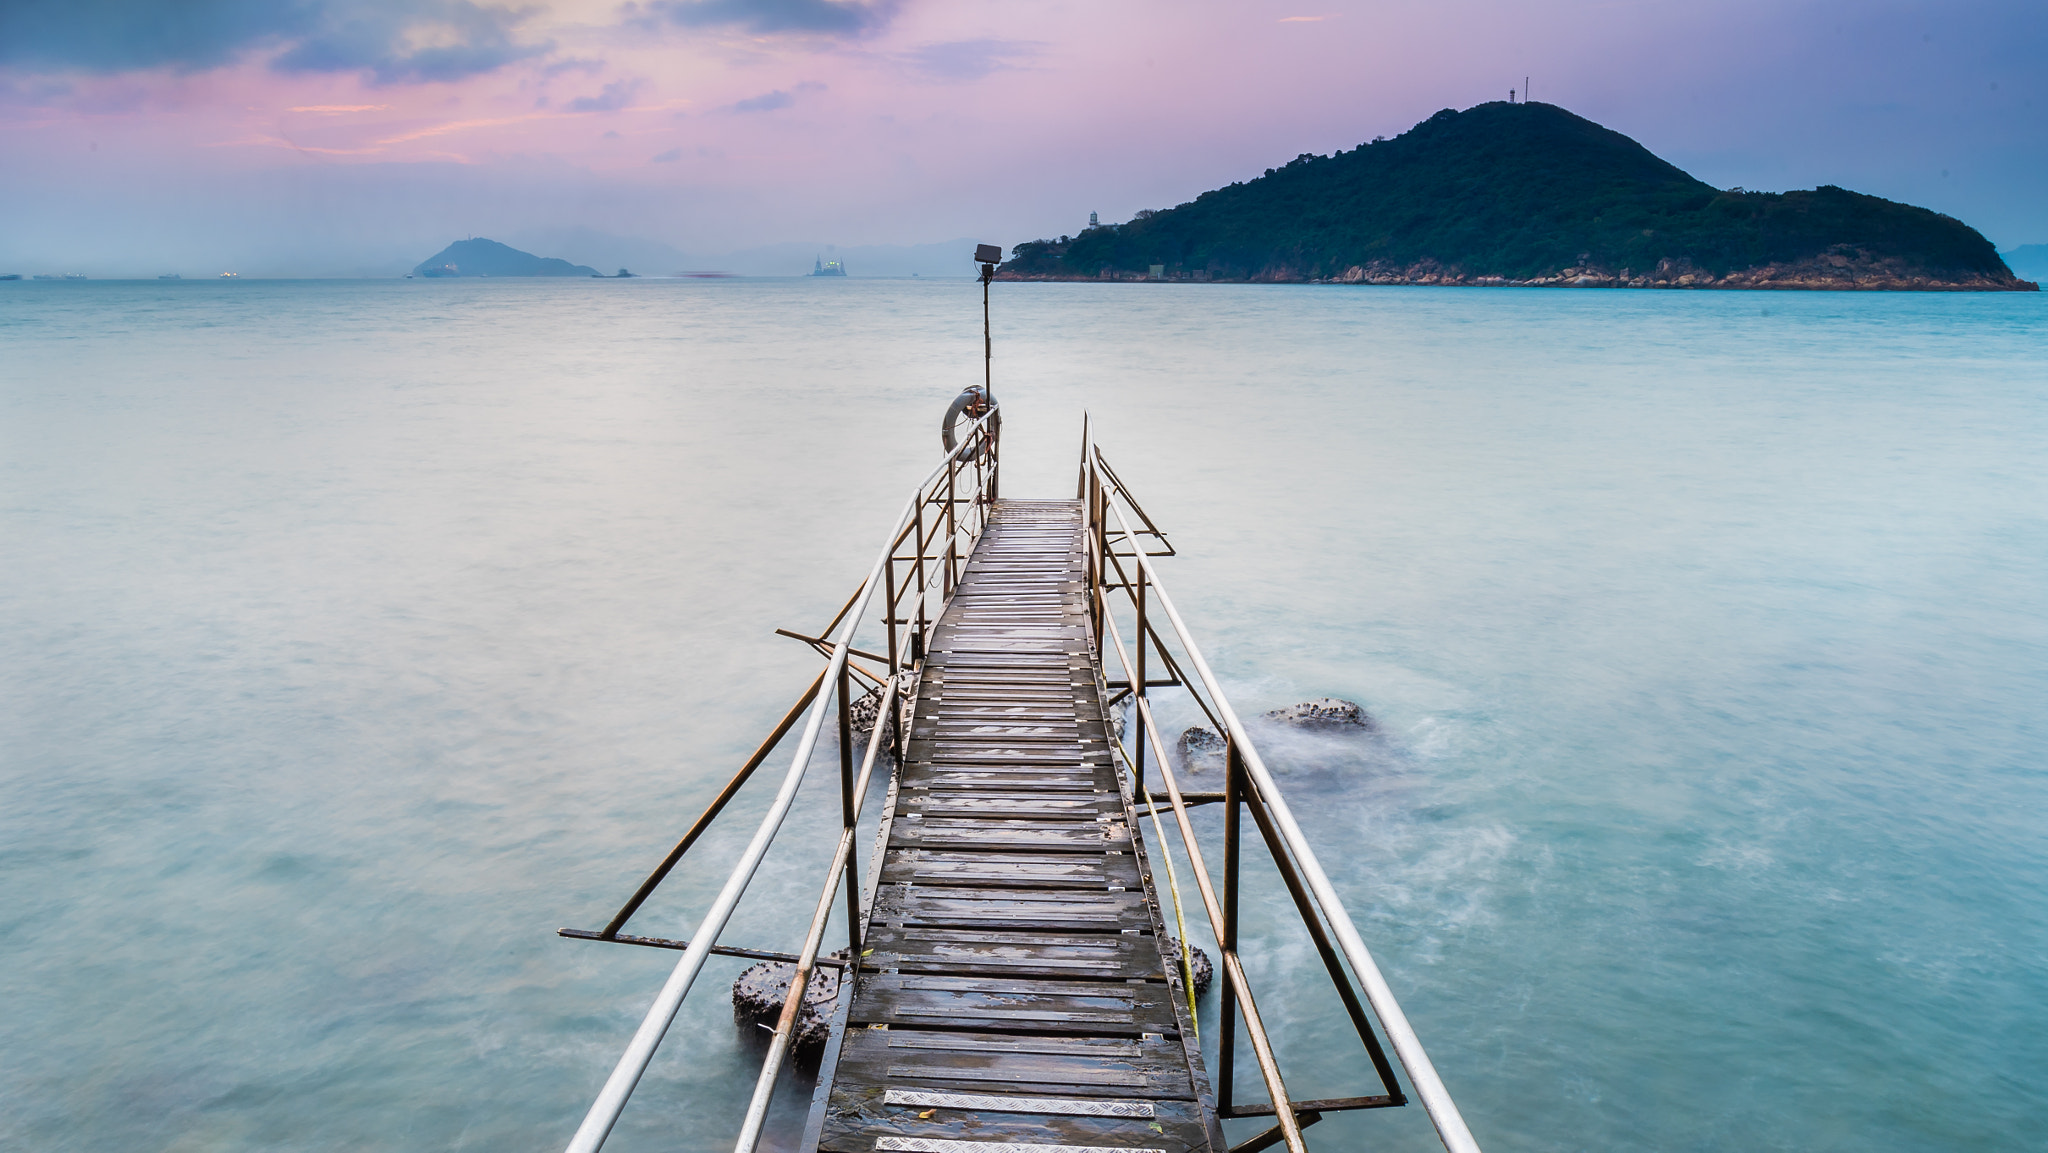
{"x": 616, "y": 95}
{"x": 766, "y": 102}
{"x": 669, "y": 157}
{"x": 769, "y": 17}
{"x": 970, "y": 59}
{"x": 337, "y": 109}
{"x": 780, "y": 98}
{"x": 456, "y": 126}
{"x": 1301, "y": 19}
{"x": 387, "y": 41}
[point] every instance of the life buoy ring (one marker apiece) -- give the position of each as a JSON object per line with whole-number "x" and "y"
{"x": 974, "y": 404}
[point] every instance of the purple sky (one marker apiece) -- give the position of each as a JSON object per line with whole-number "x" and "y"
{"x": 342, "y": 136}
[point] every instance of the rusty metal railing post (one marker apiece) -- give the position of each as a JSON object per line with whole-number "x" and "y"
{"x": 1226, "y": 1046}
{"x": 618, "y": 1087}
{"x": 846, "y": 800}
{"x": 1305, "y": 905}
{"x": 952, "y": 526}
{"x": 1289, "y": 1124}
{"x": 1139, "y": 714}
{"x": 710, "y": 814}
{"x": 917, "y": 635}
{"x": 889, "y": 609}
{"x": 1436, "y": 1100}
{"x": 1100, "y": 604}
{"x": 841, "y": 872}
{"x": 1081, "y": 479}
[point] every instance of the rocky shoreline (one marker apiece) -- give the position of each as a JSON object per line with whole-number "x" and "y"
{"x": 1835, "y": 272}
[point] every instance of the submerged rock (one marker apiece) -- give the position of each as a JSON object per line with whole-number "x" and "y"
{"x": 1205, "y": 973}
{"x": 863, "y": 710}
{"x": 758, "y": 994}
{"x": 1324, "y": 715}
{"x": 1199, "y": 748}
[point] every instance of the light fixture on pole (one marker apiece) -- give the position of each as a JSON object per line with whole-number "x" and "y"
{"x": 988, "y": 256}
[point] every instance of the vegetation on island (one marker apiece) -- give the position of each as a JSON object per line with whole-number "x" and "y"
{"x": 1523, "y": 193}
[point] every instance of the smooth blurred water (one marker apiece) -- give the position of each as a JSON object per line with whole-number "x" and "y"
{"x": 356, "y": 635}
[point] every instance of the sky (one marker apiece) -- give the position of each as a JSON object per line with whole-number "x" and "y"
{"x": 357, "y": 137}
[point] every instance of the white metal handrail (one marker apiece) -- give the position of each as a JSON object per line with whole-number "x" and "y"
{"x": 618, "y": 1087}
{"x": 1436, "y": 1100}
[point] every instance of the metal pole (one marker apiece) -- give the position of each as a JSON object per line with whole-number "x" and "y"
{"x": 1100, "y": 605}
{"x": 846, "y": 801}
{"x": 889, "y": 610}
{"x": 1226, "y": 1049}
{"x": 917, "y": 635}
{"x": 732, "y": 788}
{"x": 1254, "y": 1027}
{"x": 952, "y": 528}
{"x": 1081, "y": 481}
{"x": 1436, "y": 1100}
{"x": 1138, "y": 685}
{"x": 842, "y": 871}
{"x": 1305, "y": 905}
{"x": 995, "y": 462}
{"x": 604, "y": 1111}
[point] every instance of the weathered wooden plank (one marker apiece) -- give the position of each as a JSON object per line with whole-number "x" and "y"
{"x": 1174, "y": 1125}
{"x": 1013, "y": 992}
{"x": 1029, "y": 909}
{"x": 996, "y": 1002}
{"x": 1096, "y": 955}
{"x": 1009, "y": 869}
{"x": 1040, "y": 836}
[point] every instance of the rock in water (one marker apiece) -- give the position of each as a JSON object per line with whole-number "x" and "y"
{"x": 1325, "y": 715}
{"x": 1198, "y": 749}
{"x": 1205, "y": 972}
{"x": 758, "y": 994}
{"x": 863, "y": 710}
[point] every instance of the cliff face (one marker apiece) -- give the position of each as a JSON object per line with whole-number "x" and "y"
{"x": 480, "y": 257}
{"x": 1525, "y": 193}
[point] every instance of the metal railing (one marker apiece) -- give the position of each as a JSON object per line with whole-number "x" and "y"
{"x": 926, "y": 550}
{"x": 1248, "y": 787}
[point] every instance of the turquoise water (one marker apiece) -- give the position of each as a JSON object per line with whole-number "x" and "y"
{"x": 356, "y": 635}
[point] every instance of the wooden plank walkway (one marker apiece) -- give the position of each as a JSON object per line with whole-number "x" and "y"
{"x": 1015, "y": 998}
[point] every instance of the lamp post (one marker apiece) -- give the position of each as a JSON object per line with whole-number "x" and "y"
{"x": 988, "y": 256}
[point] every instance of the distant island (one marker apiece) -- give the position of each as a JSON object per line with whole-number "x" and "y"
{"x": 480, "y": 257}
{"x": 1523, "y": 194}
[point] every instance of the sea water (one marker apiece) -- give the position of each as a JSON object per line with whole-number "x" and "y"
{"x": 354, "y": 636}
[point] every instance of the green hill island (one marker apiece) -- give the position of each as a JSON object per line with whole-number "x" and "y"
{"x": 1523, "y": 194}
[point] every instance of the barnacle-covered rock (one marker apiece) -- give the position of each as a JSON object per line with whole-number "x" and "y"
{"x": 1324, "y": 715}
{"x": 1199, "y": 748}
{"x": 759, "y": 992}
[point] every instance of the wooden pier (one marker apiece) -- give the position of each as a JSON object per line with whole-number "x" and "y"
{"x": 1013, "y": 992}
{"x": 1008, "y": 984}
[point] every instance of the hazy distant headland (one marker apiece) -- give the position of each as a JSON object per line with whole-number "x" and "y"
{"x": 1524, "y": 194}
{"x": 480, "y": 257}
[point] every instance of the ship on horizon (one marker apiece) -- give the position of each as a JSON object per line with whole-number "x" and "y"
{"x": 823, "y": 267}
